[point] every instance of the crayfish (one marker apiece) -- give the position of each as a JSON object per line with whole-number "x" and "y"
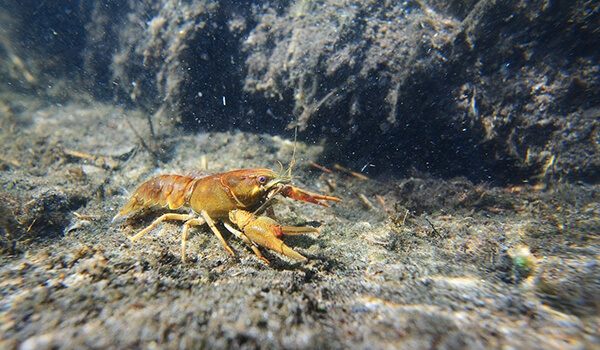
{"x": 228, "y": 197}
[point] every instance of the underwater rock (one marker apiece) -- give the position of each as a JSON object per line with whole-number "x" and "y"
{"x": 569, "y": 285}
{"x": 497, "y": 91}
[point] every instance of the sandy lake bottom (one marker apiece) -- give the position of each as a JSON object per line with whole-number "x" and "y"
{"x": 413, "y": 263}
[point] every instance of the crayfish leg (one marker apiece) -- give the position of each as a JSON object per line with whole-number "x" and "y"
{"x": 190, "y": 220}
{"x": 216, "y": 231}
{"x": 186, "y": 227}
{"x": 168, "y": 216}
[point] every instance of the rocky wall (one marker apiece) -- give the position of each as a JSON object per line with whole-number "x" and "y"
{"x": 486, "y": 89}
{"x": 500, "y": 91}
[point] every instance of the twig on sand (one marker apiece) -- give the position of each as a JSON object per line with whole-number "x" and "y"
{"x": 153, "y": 153}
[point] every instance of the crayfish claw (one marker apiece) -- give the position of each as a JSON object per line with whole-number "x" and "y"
{"x": 265, "y": 232}
{"x": 302, "y": 195}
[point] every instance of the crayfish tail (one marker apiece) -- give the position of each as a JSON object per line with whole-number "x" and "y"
{"x": 132, "y": 205}
{"x": 118, "y": 216}
{"x": 171, "y": 190}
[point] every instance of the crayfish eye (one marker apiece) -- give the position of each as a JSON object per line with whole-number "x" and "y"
{"x": 262, "y": 179}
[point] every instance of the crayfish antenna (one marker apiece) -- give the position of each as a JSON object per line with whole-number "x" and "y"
{"x": 293, "y": 161}
{"x": 281, "y": 172}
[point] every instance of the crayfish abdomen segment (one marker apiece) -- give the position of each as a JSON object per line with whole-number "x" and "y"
{"x": 171, "y": 190}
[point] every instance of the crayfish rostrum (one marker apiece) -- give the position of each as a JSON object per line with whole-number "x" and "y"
{"x": 228, "y": 197}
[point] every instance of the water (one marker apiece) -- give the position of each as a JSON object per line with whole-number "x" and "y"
{"x": 462, "y": 137}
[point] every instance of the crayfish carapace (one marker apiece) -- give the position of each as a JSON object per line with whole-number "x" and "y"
{"x": 228, "y": 197}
